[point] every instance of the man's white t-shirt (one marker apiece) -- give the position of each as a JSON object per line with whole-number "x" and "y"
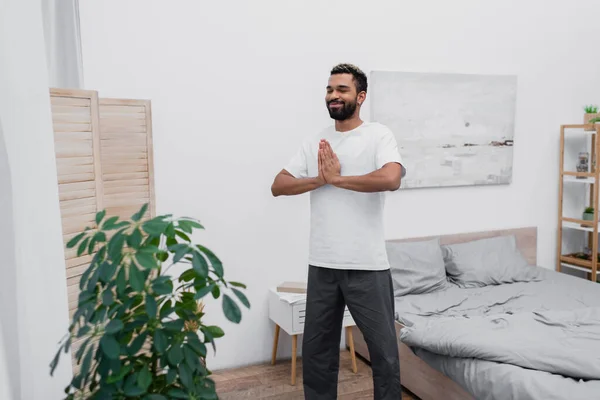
{"x": 346, "y": 226}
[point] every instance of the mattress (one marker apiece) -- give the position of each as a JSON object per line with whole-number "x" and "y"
{"x": 526, "y": 340}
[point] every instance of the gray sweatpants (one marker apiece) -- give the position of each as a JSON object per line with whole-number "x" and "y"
{"x": 369, "y": 296}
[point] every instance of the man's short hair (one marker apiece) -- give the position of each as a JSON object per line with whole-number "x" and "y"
{"x": 360, "y": 79}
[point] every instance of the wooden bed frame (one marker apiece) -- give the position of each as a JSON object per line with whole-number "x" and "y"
{"x": 415, "y": 374}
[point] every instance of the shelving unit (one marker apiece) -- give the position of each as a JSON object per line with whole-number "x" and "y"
{"x": 591, "y": 178}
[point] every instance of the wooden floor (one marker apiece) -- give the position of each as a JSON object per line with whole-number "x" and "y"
{"x": 272, "y": 382}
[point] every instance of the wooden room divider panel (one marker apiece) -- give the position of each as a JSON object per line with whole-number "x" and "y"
{"x": 77, "y": 148}
{"x": 127, "y": 156}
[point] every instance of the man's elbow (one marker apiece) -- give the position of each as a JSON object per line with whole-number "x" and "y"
{"x": 274, "y": 190}
{"x": 393, "y": 182}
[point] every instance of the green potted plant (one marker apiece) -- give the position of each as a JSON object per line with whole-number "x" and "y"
{"x": 591, "y": 116}
{"x": 140, "y": 331}
{"x": 588, "y": 214}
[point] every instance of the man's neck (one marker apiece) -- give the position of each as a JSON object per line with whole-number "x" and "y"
{"x": 348, "y": 124}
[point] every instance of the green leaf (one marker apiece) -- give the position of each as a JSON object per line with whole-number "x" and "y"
{"x": 54, "y": 362}
{"x": 137, "y": 344}
{"x": 214, "y": 260}
{"x": 140, "y": 214}
{"x": 174, "y": 326}
{"x": 116, "y": 378}
{"x": 107, "y": 270}
{"x": 187, "y": 275}
{"x": 162, "y": 256}
{"x": 238, "y": 284}
{"x": 121, "y": 281}
{"x": 100, "y": 236}
{"x": 109, "y": 224}
{"x": 146, "y": 260}
{"x": 85, "y": 276}
{"x": 131, "y": 388}
{"x": 165, "y": 309}
{"x": 160, "y": 341}
{"x": 183, "y": 236}
{"x": 171, "y": 376}
{"x": 231, "y": 310}
{"x": 163, "y": 288}
{"x": 196, "y": 344}
{"x": 87, "y": 362}
{"x": 92, "y": 245}
{"x": 151, "y": 306}
{"x": 100, "y": 216}
{"x": 155, "y": 397}
{"x": 215, "y": 331}
{"x": 185, "y": 374}
{"x": 135, "y": 239}
{"x": 73, "y": 242}
{"x": 241, "y": 296}
{"x": 200, "y": 265}
{"x": 175, "y": 354}
{"x": 185, "y": 226}
{"x": 180, "y": 251}
{"x": 188, "y": 225}
{"x": 155, "y": 226}
{"x": 216, "y": 292}
{"x": 110, "y": 347}
{"x": 114, "y": 326}
{"x": 136, "y": 278}
{"x": 203, "y": 292}
{"x": 84, "y": 330}
{"x": 107, "y": 297}
{"x": 144, "y": 378}
{"x": 82, "y": 246}
{"x": 178, "y": 394}
{"x": 115, "y": 246}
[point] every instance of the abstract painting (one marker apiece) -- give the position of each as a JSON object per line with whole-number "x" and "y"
{"x": 451, "y": 129}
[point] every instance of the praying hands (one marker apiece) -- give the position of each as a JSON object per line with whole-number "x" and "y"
{"x": 329, "y": 165}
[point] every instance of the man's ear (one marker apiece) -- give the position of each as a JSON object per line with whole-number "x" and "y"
{"x": 362, "y": 96}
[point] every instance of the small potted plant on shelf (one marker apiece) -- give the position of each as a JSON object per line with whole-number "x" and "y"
{"x": 591, "y": 116}
{"x": 588, "y": 214}
{"x": 139, "y": 332}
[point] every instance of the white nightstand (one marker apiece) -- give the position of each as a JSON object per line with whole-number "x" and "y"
{"x": 286, "y": 310}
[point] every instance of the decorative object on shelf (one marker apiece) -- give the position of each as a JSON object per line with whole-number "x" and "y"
{"x": 588, "y": 214}
{"x": 590, "y": 116}
{"x": 583, "y": 163}
{"x": 138, "y": 331}
{"x": 451, "y": 129}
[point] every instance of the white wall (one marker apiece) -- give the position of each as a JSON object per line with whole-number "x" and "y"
{"x": 35, "y": 314}
{"x": 236, "y": 85}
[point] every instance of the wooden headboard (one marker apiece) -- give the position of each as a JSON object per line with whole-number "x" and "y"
{"x": 526, "y": 239}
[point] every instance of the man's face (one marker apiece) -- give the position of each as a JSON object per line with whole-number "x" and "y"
{"x": 341, "y": 98}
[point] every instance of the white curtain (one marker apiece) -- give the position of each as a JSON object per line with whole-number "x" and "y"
{"x": 63, "y": 43}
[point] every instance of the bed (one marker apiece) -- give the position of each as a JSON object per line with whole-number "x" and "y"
{"x": 534, "y": 336}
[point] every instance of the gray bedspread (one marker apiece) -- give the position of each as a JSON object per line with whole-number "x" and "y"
{"x": 534, "y": 340}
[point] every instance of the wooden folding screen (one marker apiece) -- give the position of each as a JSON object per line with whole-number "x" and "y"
{"x": 104, "y": 161}
{"x": 126, "y": 151}
{"x": 77, "y": 147}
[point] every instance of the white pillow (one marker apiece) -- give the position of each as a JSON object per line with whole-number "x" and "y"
{"x": 490, "y": 261}
{"x": 417, "y": 267}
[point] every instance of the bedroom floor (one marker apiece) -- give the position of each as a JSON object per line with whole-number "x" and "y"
{"x": 272, "y": 382}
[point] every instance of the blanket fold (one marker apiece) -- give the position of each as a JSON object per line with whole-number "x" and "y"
{"x": 565, "y": 342}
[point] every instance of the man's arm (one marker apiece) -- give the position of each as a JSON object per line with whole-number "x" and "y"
{"x": 387, "y": 178}
{"x": 285, "y": 184}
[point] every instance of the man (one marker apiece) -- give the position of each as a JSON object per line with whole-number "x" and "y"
{"x": 347, "y": 168}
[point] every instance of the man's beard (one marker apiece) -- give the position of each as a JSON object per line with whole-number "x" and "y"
{"x": 342, "y": 113}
